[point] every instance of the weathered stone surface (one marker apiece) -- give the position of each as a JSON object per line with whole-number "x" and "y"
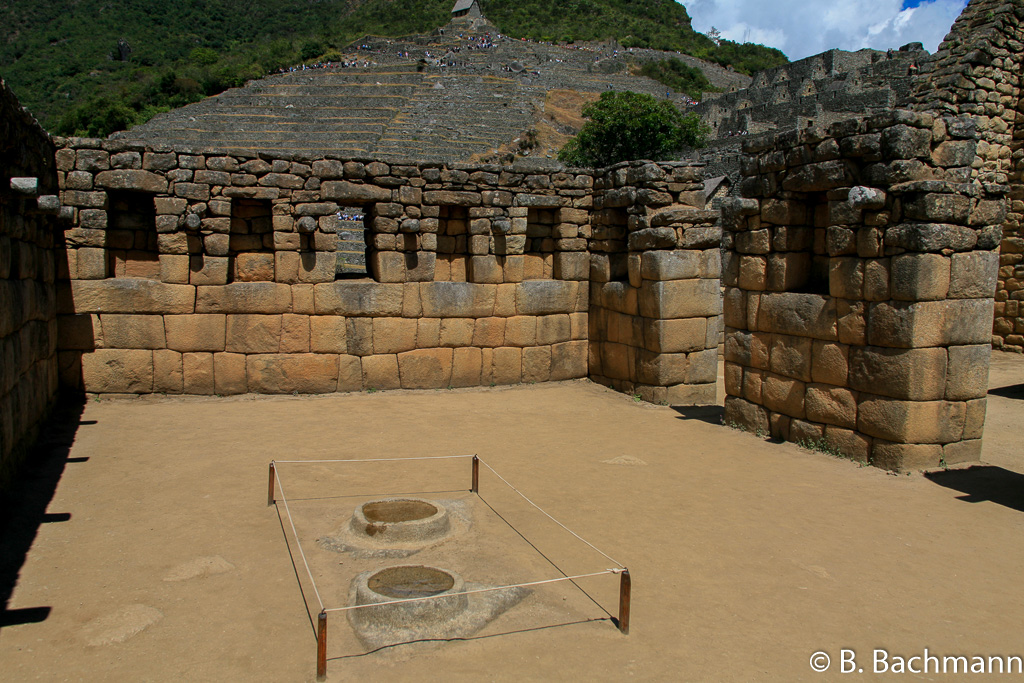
{"x": 353, "y": 193}
{"x": 670, "y": 265}
{"x": 393, "y": 335}
{"x": 543, "y": 297}
{"x": 905, "y": 142}
{"x": 168, "y": 374}
{"x": 937, "y": 422}
{"x": 900, "y": 457}
{"x": 457, "y": 299}
{"x": 127, "y": 331}
{"x": 244, "y": 297}
{"x": 131, "y": 179}
{"x": 967, "y": 372}
{"x": 973, "y": 275}
{"x": 303, "y": 373}
{"x": 831, "y": 405}
{"x": 569, "y": 360}
{"x": 830, "y": 363}
{"x": 912, "y": 374}
{"x": 791, "y": 356}
{"x": 931, "y": 237}
{"x": 208, "y": 270}
{"x": 804, "y": 315}
{"x": 229, "y": 374}
{"x": 327, "y": 334}
{"x": 253, "y": 333}
{"x": 120, "y": 371}
{"x": 819, "y": 177}
{"x": 466, "y": 367}
{"x": 254, "y": 267}
{"x": 652, "y": 238}
{"x": 680, "y": 299}
{"x": 745, "y": 415}
{"x": 920, "y": 277}
{"x": 784, "y": 395}
{"x": 358, "y": 299}
{"x": 126, "y": 295}
{"x": 452, "y": 198}
{"x": 681, "y": 335}
{"x": 536, "y": 364}
{"x": 425, "y": 368}
{"x": 198, "y": 373}
{"x": 294, "y": 333}
{"x": 930, "y": 323}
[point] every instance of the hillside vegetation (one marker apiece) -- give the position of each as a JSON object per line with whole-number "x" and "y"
{"x": 62, "y": 57}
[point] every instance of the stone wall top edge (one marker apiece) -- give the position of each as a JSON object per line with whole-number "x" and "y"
{"x": 520, "y": 166}
{"x": 24, "y": 114}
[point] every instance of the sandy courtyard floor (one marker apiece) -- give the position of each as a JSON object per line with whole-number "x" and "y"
{"x": 158, "y": 558}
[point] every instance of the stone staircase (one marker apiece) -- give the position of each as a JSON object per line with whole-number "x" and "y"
{"x": 351, "y": 248}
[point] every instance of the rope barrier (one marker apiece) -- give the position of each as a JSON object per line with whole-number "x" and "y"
{"x": 429, "y": 457}
{"x": 618, "y": 569}
{"x": 295, "y": 533}
{"x": 471, "y": 592}
{"x": 594, "y": 547}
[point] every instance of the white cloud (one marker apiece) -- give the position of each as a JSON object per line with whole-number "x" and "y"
{"x": 801, "y": 28}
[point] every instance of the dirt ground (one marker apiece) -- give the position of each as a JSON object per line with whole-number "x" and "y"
{"x": 158, "y": 558}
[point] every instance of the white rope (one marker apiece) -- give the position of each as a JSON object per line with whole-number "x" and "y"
{"x": 471, "y": 592}
{"x": 432, "y": 457}
{"x": 280, "y": 487}
{"x": 606, "y": 555}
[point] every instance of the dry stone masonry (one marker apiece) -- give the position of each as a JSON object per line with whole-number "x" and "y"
{"x": 859, "y": 269}
{"x": 28, "y": 315}
{"x": 855, "y": 280}
{"x": 975, "y": 77}
{"x": 214, "y": 274}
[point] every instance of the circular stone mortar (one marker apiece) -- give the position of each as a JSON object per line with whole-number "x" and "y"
{"x": 400, "y": 520}
{"x": 409, "y": 581}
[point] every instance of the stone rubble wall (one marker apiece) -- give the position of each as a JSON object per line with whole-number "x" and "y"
{"x": 214, "y": 274}
{"x": 860, "y": 268}
{"x": 28, "y": 315}
{"x": 976, "y": 76}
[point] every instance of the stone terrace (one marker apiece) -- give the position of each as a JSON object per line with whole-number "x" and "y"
{"x": 391, "y": 110}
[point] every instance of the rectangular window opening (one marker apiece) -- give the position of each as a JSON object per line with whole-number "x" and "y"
{"x": 131, "y": 239}
{"x": 351, "y": 228}
{"x": 251, "y": 242}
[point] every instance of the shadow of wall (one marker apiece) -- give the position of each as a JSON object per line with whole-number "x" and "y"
{"x": 28, "y": 318}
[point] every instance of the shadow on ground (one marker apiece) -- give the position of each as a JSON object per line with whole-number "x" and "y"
{"x": 984, "y": 483}
{"x": 710, "y": 414}
{"x": 1013, "y": 391}
{"x": 23, "y": 511}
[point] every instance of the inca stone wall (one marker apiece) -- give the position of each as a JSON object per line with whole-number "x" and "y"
{"x": 827, "y": 87}
{"x": 655, "y": 305}
{"x": 859, "y": 276}
{"x": 975, "y": 76}
{"x": 28, "y": 329}
{"x": 213, "y": 274}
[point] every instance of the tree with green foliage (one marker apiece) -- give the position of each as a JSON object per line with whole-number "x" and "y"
{"x": 626, "y": 125}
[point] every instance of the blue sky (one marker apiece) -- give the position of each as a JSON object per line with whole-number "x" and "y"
{"x": 801, "y": 28}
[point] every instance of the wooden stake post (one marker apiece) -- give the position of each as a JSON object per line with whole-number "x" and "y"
{"x": 270, "y": 490}
{"x": 625, "y": 588}
{"x": 321, "y": 647}
{"x": 476, "y": 475}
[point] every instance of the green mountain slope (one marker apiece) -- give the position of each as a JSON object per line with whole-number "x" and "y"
{"x": 62, "y": 57}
